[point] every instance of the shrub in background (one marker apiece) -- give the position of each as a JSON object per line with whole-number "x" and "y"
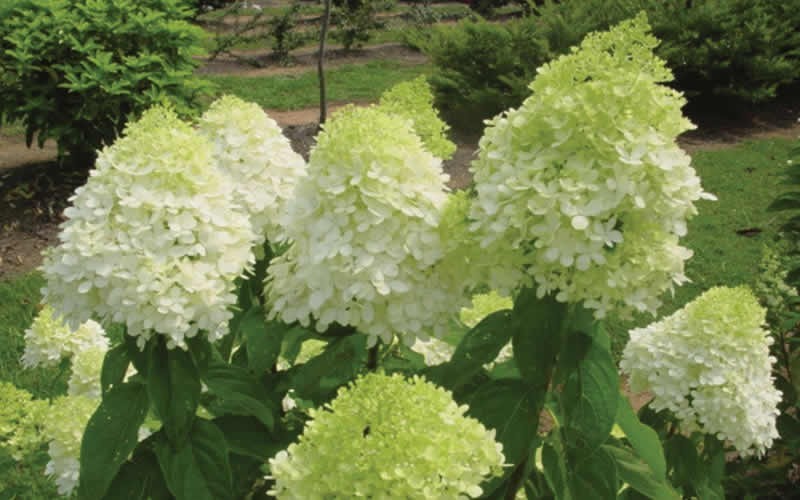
{"x": 744, "y": 49}
{"x": 483, "y": 68}
{"x": 75, "y": 71}
{"x": 355, "y": 20}
{"x": 285, "y": 37}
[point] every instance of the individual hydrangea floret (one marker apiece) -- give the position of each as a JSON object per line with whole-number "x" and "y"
{"x": 152, "y": 240}
{"x": 367, "y": 250}
{"x": 709, "y": 364}
{"x": 64, "y": 424}
{"x": 388, "y": 437}
{"x": 583, "y": 190}
{"x": 250, "y": 149}
{"x": 413, "y": 100}
{"x": 49, "y": 339}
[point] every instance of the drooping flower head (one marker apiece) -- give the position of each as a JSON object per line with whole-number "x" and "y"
{"x": 250, "y": 149}
{"x": 152, "y": 240}
{"x": 585, "y": 182}
{"x": 388, "y": 437}
{"x": 365, "y": 232}
{"x": 85, "y": 377}
{"x": 413, "y": 100}
{"x": 709, "y": 364}
{"x": 49, "y": 339}
{"x": 64, "y": 424}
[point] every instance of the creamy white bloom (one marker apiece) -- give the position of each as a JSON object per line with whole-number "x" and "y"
{"x": 49, "y": 339}
{"x": 152, "y": 240}
{"x": 63, "y": 427}
{"x": 583, "y": 190}
{"x": 250, "y": 149}
{"x": 367, "y": 250}
{"x": 709, "y": 364}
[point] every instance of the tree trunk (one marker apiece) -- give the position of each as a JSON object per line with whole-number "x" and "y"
{"x": 323, "y": 99}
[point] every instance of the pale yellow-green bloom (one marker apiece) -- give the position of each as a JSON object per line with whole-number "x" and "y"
{"x": 388, "y": 437}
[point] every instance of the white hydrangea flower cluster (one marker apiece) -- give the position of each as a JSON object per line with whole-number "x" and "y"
{"x": 388, "y": 437}
{"x": 367, "y": 250}
{"x": 250, "y": 149}
{"x": 709, "y": 364}
{"x": 63, "y": 427}
{"x": 585, "y": 181}
{"x": 437, "y": 351}
{"x": 152, "y": 239}
{"x": 49, "y": 339}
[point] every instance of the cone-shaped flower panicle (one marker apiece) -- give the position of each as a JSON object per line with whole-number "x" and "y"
{"x": 583, "y": 189}
{"x": 709, "y": 364}
{"x": 152, "y": 240}
{"x": 388, "y": 437}
{"x": 414, "y": 100}
{"x": 250, "y": 149}
{"x": 367, "y": 249}
{"x": 49, "y": 339}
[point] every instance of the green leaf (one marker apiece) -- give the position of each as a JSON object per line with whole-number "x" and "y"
{"x": 200, "y": 469}
{"x": 595, "y": 476}
{"x": 173, "y": 385}
{"x": 681, "y": 455}
{"x": 110, "y": 436}
{"x": 139, "y": 479}
{"x": 238, "y": 392}
{"x": 555, "y": 472}
{"x": 262, "y": 339}
{"x": 246, "y": 436}
{"x": 319, "y": 378}
{"x": 638, "y": 475}
{"x": 590, "y": 398}
{"x": 509, "y": 407}
{"x": 539, "y": 325}
{"x": 479, "y": 346}
{"x": 115, "y": 365}
{"x": 642, "y": 438}
{"x": 137, "y": 356}
{"x": 786, "y": 201}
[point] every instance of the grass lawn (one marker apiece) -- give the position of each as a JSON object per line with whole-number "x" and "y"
{"x": 361, "y": 82}
{"x": 745, "y": 179}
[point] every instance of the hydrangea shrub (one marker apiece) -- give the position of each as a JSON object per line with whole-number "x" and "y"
{"x": 308, "y": 321}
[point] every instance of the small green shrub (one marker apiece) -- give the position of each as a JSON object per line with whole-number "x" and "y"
{"x": 483, "y": 68}
{"x": 76, "y": 70}
{"x": 355, "y": 20}
{"x": 744, "y": 49}
{"x": 285, "y": 37}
